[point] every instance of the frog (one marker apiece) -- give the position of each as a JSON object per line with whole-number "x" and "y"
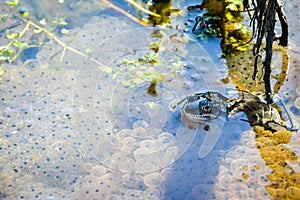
{"x": 202, "y": 107}
{"x": 212, "y": 109}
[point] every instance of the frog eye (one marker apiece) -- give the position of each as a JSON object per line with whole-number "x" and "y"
{"x": 206, "y": 109}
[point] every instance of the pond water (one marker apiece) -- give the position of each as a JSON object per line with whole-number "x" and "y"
{"x": 86, "y": 127}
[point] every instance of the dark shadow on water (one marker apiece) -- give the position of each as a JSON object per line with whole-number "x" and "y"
{"x": 194, "y": 178}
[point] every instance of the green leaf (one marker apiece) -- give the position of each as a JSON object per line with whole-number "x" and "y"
{"x": 12, "y": 3}
{"x": 20, "y": 45}
{"x": 26, "y": 15}
{"x": 37, "y": 30}
{"x": 5, "y": 54}
{"x": 10, "y": 35}
{"x": 43, "y": 22}
{"x": 88, "y": 50}
{"x": 60, "y": 21}
{"x": 64, "y": 31}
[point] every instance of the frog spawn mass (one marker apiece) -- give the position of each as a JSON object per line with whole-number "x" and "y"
{"x": 120, "y": 101}
{"x": 119, "y": 125}
{"x": 44, "y": 163}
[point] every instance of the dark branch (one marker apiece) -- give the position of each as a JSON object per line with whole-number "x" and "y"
{"x": 263, "y": 25}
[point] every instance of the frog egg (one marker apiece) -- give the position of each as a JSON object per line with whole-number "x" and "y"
{"x": 242, "y": 151}
{"x": 121, "y": 134}
{"x": 148, "y": 164}
{"x": 60, "y": 166}
{"x": 223, "y": 195}
{"x": 185, "y": 91}
{"x": 27, "y": 194}
{"x": 294, "y": 144}
{"x": 203, "y": 192}
{"x": 146, "y": 147}
{"x": 131, "y": 180}
{"x": 224, "y": 181}
{"x": 293, "y": 192}
{"x": 140, "y": 124}
{"x": 29, "y": 188}
{"x": 154, "y": 132}
{"x": 263, "y": 180}
{"x": 113, "y": 197}
{"x": 238, "y": 163}
{"x": 297, "y": 103}
{"x": 152, "y": 180}
{"x": 139, "y": 132}
{"x": 98, "y": 170}
{"x": 263, "y": 194}
{"x": 298, "y": 90}
{"x": 117, "y": 158}
{"x": 152, "y": 193}
{"x": 166, "y": 172}
{"x": 134, "y": 194}
{"x": 94, "y": 187}
{"x": 176, "y": 186}
{"x": 255, "y": 161}
{"x": 242, "y": 166}
{"x": 170, "y": 154}
{"x": 129, "y": 144}
{"x": 127, "y": 165}
{"x": 9, "y": 185}
{"x": 236, "y": 76}
{"x": 166, "y": 139}
{"x": 239, "y": 191}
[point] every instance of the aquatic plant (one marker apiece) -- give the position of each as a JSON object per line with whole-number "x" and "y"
{"x": 149, "y": 13}
{"x": 10, "y": 56}
{"x": 223, "y": 19}
{"x": 225, "y": 22}
{"x": 264, "y": 16}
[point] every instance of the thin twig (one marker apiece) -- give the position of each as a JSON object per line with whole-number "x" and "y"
{"x": 125, "y": 13}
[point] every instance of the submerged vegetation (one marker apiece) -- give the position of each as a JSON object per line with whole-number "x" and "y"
{"x": 223, "y": 19}
{"x": 33, "y": 35}
{"x": 225, "y": 22}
